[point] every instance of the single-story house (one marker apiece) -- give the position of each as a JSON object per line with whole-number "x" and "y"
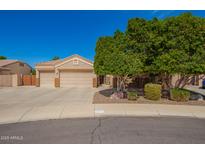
{"x": 73, "y": 71}
{"x": 14, "y": 67}
{"x": 11, "y": 72}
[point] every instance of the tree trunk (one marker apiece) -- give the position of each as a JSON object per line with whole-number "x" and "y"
{"x": 166, "y": 81}
{"x": 164, "y": 85}
{"x": 122, "y": 83}
{"x": 118, "y": 84}
{"x": 184, "y": 80}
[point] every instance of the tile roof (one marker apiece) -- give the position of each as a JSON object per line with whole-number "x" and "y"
{"x": 49, "y": 63}
{"x": 54, "y": 62}
{"x": 4, "y": 69}
{"x": 76, "y": 55}
{"x": 6, "y": 62}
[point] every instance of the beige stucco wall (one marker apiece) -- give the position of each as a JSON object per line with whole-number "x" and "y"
{"x": 16, "y": 68}
{"x": 16, "y": 80}
{"x": 44, "y": 67}
{"x": 4, "y": 72}
{"x": 200, "y": 81}
{"x": 68, "y": 68}
{"x": 10, "y": 80}
{"x": 110, "y": 77}
{"x": 175, "y": 78}
{"x": 70, "y": 64}
{"x": 5, "y": 80}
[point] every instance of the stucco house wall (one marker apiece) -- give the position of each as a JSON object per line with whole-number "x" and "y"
{"x": 70, "y": 65}
{"x": 11, "y": 72}
{"x": 17, "y": 68}
{"x": 73, "y": 71}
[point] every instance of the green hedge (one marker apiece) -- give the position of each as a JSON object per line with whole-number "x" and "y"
{"x": 132, "y": 95}
{"x": 180, "y": 95}
{"x": 152, "y": 91}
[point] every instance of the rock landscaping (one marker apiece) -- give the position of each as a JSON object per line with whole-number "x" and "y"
{"x": 110, "y": 96}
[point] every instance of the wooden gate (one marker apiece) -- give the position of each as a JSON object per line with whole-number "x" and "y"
{"x": 29, "y": 80}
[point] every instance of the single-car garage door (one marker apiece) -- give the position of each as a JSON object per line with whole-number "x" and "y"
{"x": 47, "y": 79}
{"x": 76, "y": 79}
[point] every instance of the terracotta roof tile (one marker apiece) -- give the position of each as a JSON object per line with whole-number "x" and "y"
{"x": 54, "y": 62}
{"x": 6, "y": 62}
{"x": 76, "y": 55}
{"x": 48, "y": 63}
{"x": 4, "y": 69}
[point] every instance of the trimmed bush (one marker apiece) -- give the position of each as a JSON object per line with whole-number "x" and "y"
{"x": 180, "y": 95}
{"x": 132, "y": 95}
{"x": 152, "y": 91}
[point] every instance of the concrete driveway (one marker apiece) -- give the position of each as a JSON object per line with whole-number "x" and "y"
{"x": 32, "y": 103}
{"x": 20, "y": 104}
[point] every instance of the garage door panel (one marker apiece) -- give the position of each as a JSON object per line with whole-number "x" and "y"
{"x": 76, "y": 79}
{"x": 76, "y": 75}
{"x": 5, "y": 80}
{"x": 47, "y": 79}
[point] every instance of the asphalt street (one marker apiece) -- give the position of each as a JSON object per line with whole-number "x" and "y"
{"x": 111, "y": 130}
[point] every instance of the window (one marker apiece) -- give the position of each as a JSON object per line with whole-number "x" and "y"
{"x": 75, "y": 61}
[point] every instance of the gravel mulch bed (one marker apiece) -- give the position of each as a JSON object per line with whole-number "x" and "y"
{"x": 103, "y": 97}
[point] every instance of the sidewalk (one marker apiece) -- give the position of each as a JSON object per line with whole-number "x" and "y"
{"x": 19, "y": 114}
{"x": 156, "y": 110}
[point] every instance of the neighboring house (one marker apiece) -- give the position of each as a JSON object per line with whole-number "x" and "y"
{"x": 73, "y": 71}
{"x": 14, "y": 67}
{"x": 11, "y": 72}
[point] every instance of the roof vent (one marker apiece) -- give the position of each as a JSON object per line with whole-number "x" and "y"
{"x": 75, "y": 61}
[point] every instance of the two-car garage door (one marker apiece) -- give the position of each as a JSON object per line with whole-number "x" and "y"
{"x": 76, "y": 79}
{"x": 67, "y": 79}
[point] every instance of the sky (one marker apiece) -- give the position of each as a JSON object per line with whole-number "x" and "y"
{"x": 38, "y": 36}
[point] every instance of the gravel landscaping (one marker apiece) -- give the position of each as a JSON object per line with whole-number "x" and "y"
{"x": 103, "y": 97}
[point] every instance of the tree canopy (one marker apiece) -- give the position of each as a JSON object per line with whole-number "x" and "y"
{"x": 3, "y": 57}
{"x": 174, "y": 45}
{"x": 184, "y": 38}
{"x": 55, "y": 58}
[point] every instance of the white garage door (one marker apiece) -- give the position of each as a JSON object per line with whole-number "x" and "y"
{"x": 47, "y": 79}
{"x": 76, "y": 79}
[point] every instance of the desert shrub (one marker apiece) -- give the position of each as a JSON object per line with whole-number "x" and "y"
{"x": 181, "y": 95}
{"x": 132, "y": 95}
{"x": 152, "y": 91}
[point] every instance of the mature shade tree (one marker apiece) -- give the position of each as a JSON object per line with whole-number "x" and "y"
{"x": 126, "y": 66}
{"x": 112, "y": 58}
{"x": 184, "y": 37}
{"x": 137, "y": 36}
{"x": 162, "y": 48}
{"x": 3, "y": 57}
{"x": 146, "y": 37}
{"x": 164, "y": 41}
{"x": 104, "y": 49}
